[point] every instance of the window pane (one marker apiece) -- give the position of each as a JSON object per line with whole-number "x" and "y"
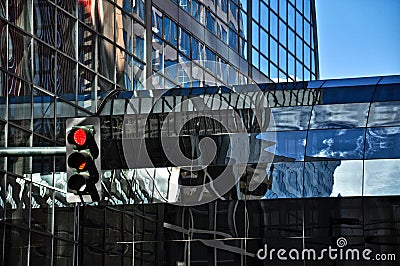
{"x": 339, "y": 143}
{"x": 347, "y": 178}
{"x": 381, "y": 177}
{"x": 383, "y": 143}
{"x": 384, "y": 114}
{"x": 291, "y": 118}
{"x": 339, "y": 116}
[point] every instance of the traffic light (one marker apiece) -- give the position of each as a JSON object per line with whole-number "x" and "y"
{"x": 83, "y": 159}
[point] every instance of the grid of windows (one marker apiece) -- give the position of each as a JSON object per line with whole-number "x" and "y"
{"x": 283, "y": 39}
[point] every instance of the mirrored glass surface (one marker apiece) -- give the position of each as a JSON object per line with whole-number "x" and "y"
{"x": 336, "y": 143}
{"x": 384, "y": 114}
{"x": 339, "y": 116}
{"x": 347, "y": 178}
{"x": 289, "y": 144}
{"x": 291, "y": 118}
{"x": 382, "y": 143}
{"x": 381, "y": 177}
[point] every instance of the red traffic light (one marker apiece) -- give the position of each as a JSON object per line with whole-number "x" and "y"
{"x": 80, "y": 136}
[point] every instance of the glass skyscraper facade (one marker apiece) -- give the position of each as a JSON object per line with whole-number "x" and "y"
{"x": 61, "y": 59}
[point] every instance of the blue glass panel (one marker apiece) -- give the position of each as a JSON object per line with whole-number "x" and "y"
{"x": 319, "y": 178}
{"x": 274, "y": 5}
{"x": 273, "y": 46}
{"x": 336, "y": 143}
{"x": 264, "y": 42}
{"x": 273, "y": 27}
{"x": 255, "y": 35}
{"x": 184, "y": 42}
{"x": 347, "y": 94}
{"x": 383, "y": 143}
{"x": 384, "y": 114}
{"x": 256, "y": 9}
{"x": 156, "y": 21}
{"x": 287, "y": 180}
{"x": 282, "y": 9}
{"x": 339, "y": 116}
{"x": 264, "y": 17}
{"x": 351, "y": 82}
{"x": 291, "y": 118}
{"x": 210, "y": 21}
{"x": 381, "y": 177}
{"x": 289, "y": 145}
{"x": 387, "y": 92}
{"x": 170, "y": 31}
{"x": 390, "y": 79}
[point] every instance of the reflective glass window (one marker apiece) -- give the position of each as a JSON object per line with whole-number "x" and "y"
{"x": 307, "y": 7}
{"x": 20, "y": 13}
{"x": 387, "y": 92}
{"x": 307, "y": 34}
{"x": 66, "y": 33}
{"x": 66, "y": 77}
{"x": 290, "y": 118}
{"x": 381, "y": 177}
{"x": 319, "y": 178}
{"x": 156, "y": 21}
{"x": 170, "y": 31}
{"x": 347, "y": 94}
{"x": 210, "y": 63}
{"x": 255, "y": 35}
{"x": 107, "y": 29}
{"x": 185, "y": 5}
{"x": 291, "y": 41}
{"x": 255, "y": 58}
{"x": 256, "y": 9}
{"x": 264, "y": 42}
{"x": 106, "y": 58}
{"x": 347, "y": 177}
{"x": 299, "y": 24}
{"x": 282, "y": 33}
{"x": 198, "y": 11}
{"x": 291, "y": 16}
{"x": 382, "y": 143}
{"x": 19, "y": 59}
{"x": 43, "y": 66}
{"x": 139, "y": 44}
{"x": 138, "y": 8}
{"x": 242, "y": 24}
{"x": 233, "y": 16}
{"x": 282, "y": 9}
{"x": 44, "y": 21}
{"x": 384, "y": 114}
{"x": 273, "y": 72}
{"x": 86, "y": 46}
{"x": 273, "y": 50}
{"x": 171, "y": 59}
{"x": 336, "y": 143}
{"x": 282, "y": 58}
{"x": 157, "y": 53}
{"x": 124, "y": 67}
{"x": 289, "y": 146}
{"x": 299, "y": 48}
{"x": 286, "y": 180}
{"x": 339, "y": 116}
{"x": 273, "y": 27}
{"x": 222, "y": 31}
{"x": 233, "y": 40}
{"x": 264, "y": 64}
{"x": 299, "y": 70}
{"x": 210, "y": 21}
{"x": 184, "y": 42}
{"x": 264, "y": 17}
{"x": 291, "y": 66}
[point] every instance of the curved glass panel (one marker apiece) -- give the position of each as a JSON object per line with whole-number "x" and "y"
{"x": 383, "y": 143}
{"x": 347, "y": 94}
{"x": 289, "y": 145}
{"x": 318, "y": 178}
{"x": 291, "y": 118}
{"x": 381, "y": 177}
{"x": 387, "y": 92}
{"x": 339, "y": 143}
{"x": 384, "y": 114}
{"x": 287, "y": 180}
{"x": 339, "y": 116}
{"x": 348, "y": 179}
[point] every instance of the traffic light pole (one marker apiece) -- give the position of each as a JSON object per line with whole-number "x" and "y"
{"x": 32, "y": 151}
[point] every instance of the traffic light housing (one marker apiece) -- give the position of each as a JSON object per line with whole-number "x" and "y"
{"x": 83, "y": 159}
